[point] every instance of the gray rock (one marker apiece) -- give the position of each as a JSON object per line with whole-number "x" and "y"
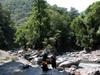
{"x": 87, "y": 72}
{"x": 69, "y": 63}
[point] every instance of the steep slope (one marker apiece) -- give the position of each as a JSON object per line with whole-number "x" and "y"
{"x": 20, "y": 9}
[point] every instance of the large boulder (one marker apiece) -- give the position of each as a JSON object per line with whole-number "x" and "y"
{"x": 60, "y": 59}
{"x": 5, "y": 57}
{"x": 4, "y": 54}
{"x": 69, "y": 63}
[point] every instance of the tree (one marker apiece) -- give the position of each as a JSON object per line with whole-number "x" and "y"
{"x": 93, "y": 17}
{"x": 60, "y": 28}
{"x": 6, "y": 29}
{"x": 86, "y": 26}
{"x": 73, "y": 13}
{"x": 37, "y": 26}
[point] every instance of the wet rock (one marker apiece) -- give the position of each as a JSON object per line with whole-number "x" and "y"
{"x": 69, "y": 63}
{"x": 26, "y": 67}
{"x": 60, "y": 69}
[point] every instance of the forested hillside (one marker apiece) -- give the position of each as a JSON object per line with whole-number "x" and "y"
{"x": 20, "y": 9}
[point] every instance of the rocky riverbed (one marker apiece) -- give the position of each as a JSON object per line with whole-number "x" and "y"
{"x": 22, "y": 62}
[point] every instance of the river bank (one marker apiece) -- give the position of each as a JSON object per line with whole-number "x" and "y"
{"x": 77, "y": 63}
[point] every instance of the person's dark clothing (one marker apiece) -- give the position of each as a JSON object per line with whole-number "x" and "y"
{"x": 45, "y": 56}
{"x": 44, "y": 66}
{"x": 53, "y": 61}
{"x": 45, "y": 63}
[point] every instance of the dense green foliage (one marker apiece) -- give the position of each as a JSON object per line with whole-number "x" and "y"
{"x": 86, "y": 27}
{"x": 20, "y": 9}
{"x": 37, "y": 26}
{"x": 60, "y": 28}
{"x": 6, "y": 31}
{"x": 50, "y": 26}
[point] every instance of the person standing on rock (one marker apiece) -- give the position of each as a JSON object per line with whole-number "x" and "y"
{"x": 45, "y": 63}
{"x": 53, "y": 61}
